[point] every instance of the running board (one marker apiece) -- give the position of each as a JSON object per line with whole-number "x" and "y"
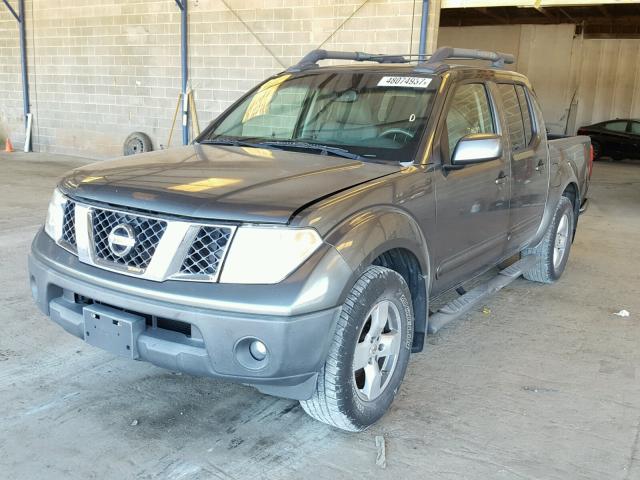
{"x": 461, "y": 305}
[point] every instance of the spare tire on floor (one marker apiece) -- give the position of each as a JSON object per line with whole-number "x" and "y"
{"x": 137, "y": 142}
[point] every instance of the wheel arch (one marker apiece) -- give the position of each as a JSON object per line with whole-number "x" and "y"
{"x": 388, "y": 237}
{"x": 572, "y": 192}
{"x": 567, "y": 186}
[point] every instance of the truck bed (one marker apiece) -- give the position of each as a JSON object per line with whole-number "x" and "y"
{"x": 576, "y": 152}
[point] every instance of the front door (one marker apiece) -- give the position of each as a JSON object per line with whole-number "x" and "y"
{"x": 472, "y": 203}
{"x": 529, "y": 163}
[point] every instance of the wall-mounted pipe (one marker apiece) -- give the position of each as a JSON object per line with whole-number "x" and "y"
{"x": 182, "y": 5}
{"x": 423, "y": 29}
{"x": 20, "y": 17}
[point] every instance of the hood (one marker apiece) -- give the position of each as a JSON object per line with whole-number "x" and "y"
{"x": 219, "y": 182}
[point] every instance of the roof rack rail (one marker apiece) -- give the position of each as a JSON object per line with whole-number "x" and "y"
{"x": 426, "y": 63}
{"x": 310, "y": 59}
{"x": 437, "y": 60}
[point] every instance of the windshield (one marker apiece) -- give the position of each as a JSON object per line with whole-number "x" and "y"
{"x": 366, "y": 115}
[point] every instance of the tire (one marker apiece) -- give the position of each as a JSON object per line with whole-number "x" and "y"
{"x": 137, "y": 142}
{"x": 340, "y": 398}
{"x": 560, "y": 233}
{"x": 597, "y": 151}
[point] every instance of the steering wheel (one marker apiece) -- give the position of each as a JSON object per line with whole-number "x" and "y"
{"x": 398, "y": 131}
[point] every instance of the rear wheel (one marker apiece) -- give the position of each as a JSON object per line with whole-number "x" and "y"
{"x": 597, "y": 150}
{"x": 552, "y": 252}
{"x": 369, "y": 353}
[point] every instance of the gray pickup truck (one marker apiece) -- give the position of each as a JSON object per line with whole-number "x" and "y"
{"x": 298, "y": 243}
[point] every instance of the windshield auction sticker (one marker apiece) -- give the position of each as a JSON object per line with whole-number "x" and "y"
{"x": 408, "y": 82}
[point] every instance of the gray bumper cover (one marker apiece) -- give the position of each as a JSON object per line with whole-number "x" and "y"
{"x": 297, "y": 344}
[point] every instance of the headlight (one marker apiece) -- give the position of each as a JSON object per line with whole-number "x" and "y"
{"x": 55, "y": 214}
{"x": 267, "y": 254}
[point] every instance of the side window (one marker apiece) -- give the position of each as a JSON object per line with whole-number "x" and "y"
{"x": 469, "y": 113}
{"x": 620, "y": 126}
{"x": 635, "y": 128}
{"x": 511, "y": 106}
{"x": 527, "y": 117}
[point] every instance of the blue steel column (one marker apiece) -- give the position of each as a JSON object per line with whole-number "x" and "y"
{"x": 20, "y": 17}
{"x": 23, "y": 59}
{"x": 182, "y": 4}
{"x": 423, "y": 29}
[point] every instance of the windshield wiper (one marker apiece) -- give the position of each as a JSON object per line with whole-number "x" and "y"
{"x": 235, "y": 142}
{"x": 324, "y": 149}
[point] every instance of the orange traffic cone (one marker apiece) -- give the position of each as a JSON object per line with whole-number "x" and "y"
{"x": 8, "y": 147}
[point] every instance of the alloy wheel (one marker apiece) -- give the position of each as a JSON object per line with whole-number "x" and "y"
{"x": 377, "y": 350}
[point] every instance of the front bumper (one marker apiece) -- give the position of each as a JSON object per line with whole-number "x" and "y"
{"x": 191, "y": 337}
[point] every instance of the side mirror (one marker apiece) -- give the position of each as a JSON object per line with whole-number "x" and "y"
{"x": 476, "y": 148}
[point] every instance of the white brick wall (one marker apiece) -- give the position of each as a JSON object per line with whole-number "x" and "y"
{"x": 102, "y": 69}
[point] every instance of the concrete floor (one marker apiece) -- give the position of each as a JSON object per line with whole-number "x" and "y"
{"x": 544, "y": 386}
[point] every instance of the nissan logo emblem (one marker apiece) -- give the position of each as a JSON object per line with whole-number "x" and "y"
{"x": 122, "y": 239}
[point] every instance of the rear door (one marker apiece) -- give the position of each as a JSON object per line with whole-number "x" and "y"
{"x": 472, "y": 208}
{"x": 529, "y": 163}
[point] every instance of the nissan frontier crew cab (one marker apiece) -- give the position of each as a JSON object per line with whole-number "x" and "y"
{"x": 297, "y": 244}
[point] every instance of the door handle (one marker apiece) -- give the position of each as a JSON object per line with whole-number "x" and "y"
{"x": 501, "y": 178}
{"x": 540, "y": 166}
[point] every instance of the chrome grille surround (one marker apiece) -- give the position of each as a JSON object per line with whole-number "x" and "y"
{"x": 68, "y": 239}
{"x": 165, "y": 248}
{"x": 206, "y": 253}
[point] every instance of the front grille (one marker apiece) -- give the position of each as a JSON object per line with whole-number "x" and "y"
{"x": 147, "y": 231}
{"x": 69, "y": 223}
{"x": 126, "y": 242}
{"x": 206, "y": 252}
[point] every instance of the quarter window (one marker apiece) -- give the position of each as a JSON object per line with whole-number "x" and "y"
{"x": 469, "y": 113}
{"x": 635, "y": 128}
{"x": 513, "y": 114}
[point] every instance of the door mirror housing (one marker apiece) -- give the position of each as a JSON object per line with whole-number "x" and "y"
{"x": 477, "y": 148}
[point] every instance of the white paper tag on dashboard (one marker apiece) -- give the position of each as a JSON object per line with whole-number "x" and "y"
{"x": 408, "y": 82}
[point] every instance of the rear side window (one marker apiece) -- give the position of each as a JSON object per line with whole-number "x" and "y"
{"x": 469, "y": 113}
{"x": 513, "y": 114}
{"x": 525, "y": 109}
{"x": 616, "y": 126}
{"x": 635, "y": 128}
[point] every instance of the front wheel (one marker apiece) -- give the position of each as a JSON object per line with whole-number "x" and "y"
{"x": 552, "y": 252}
{"x": 369, "y": 353}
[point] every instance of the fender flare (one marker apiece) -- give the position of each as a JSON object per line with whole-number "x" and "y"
{"x": 565, "y": 177}
{"x": 367, "y": 234}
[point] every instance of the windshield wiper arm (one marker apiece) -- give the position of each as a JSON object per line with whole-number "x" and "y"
{"x": 236, "y": 142}
{"x": 324, "y": 149}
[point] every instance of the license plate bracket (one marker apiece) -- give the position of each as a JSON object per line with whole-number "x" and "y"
{"x": 113, "y": 330}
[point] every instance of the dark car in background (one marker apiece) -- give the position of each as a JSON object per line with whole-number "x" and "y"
{"x": 616, "y": 139}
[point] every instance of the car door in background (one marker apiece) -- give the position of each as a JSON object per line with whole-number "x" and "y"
{"x": 472, "y": 207}
{"x": 633, "y": 147}
{"x": 613, "y": 138}
{"x": 529, "y": 164}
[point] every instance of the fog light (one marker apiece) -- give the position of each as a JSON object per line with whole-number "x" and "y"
{"x": 258, "y": 350}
